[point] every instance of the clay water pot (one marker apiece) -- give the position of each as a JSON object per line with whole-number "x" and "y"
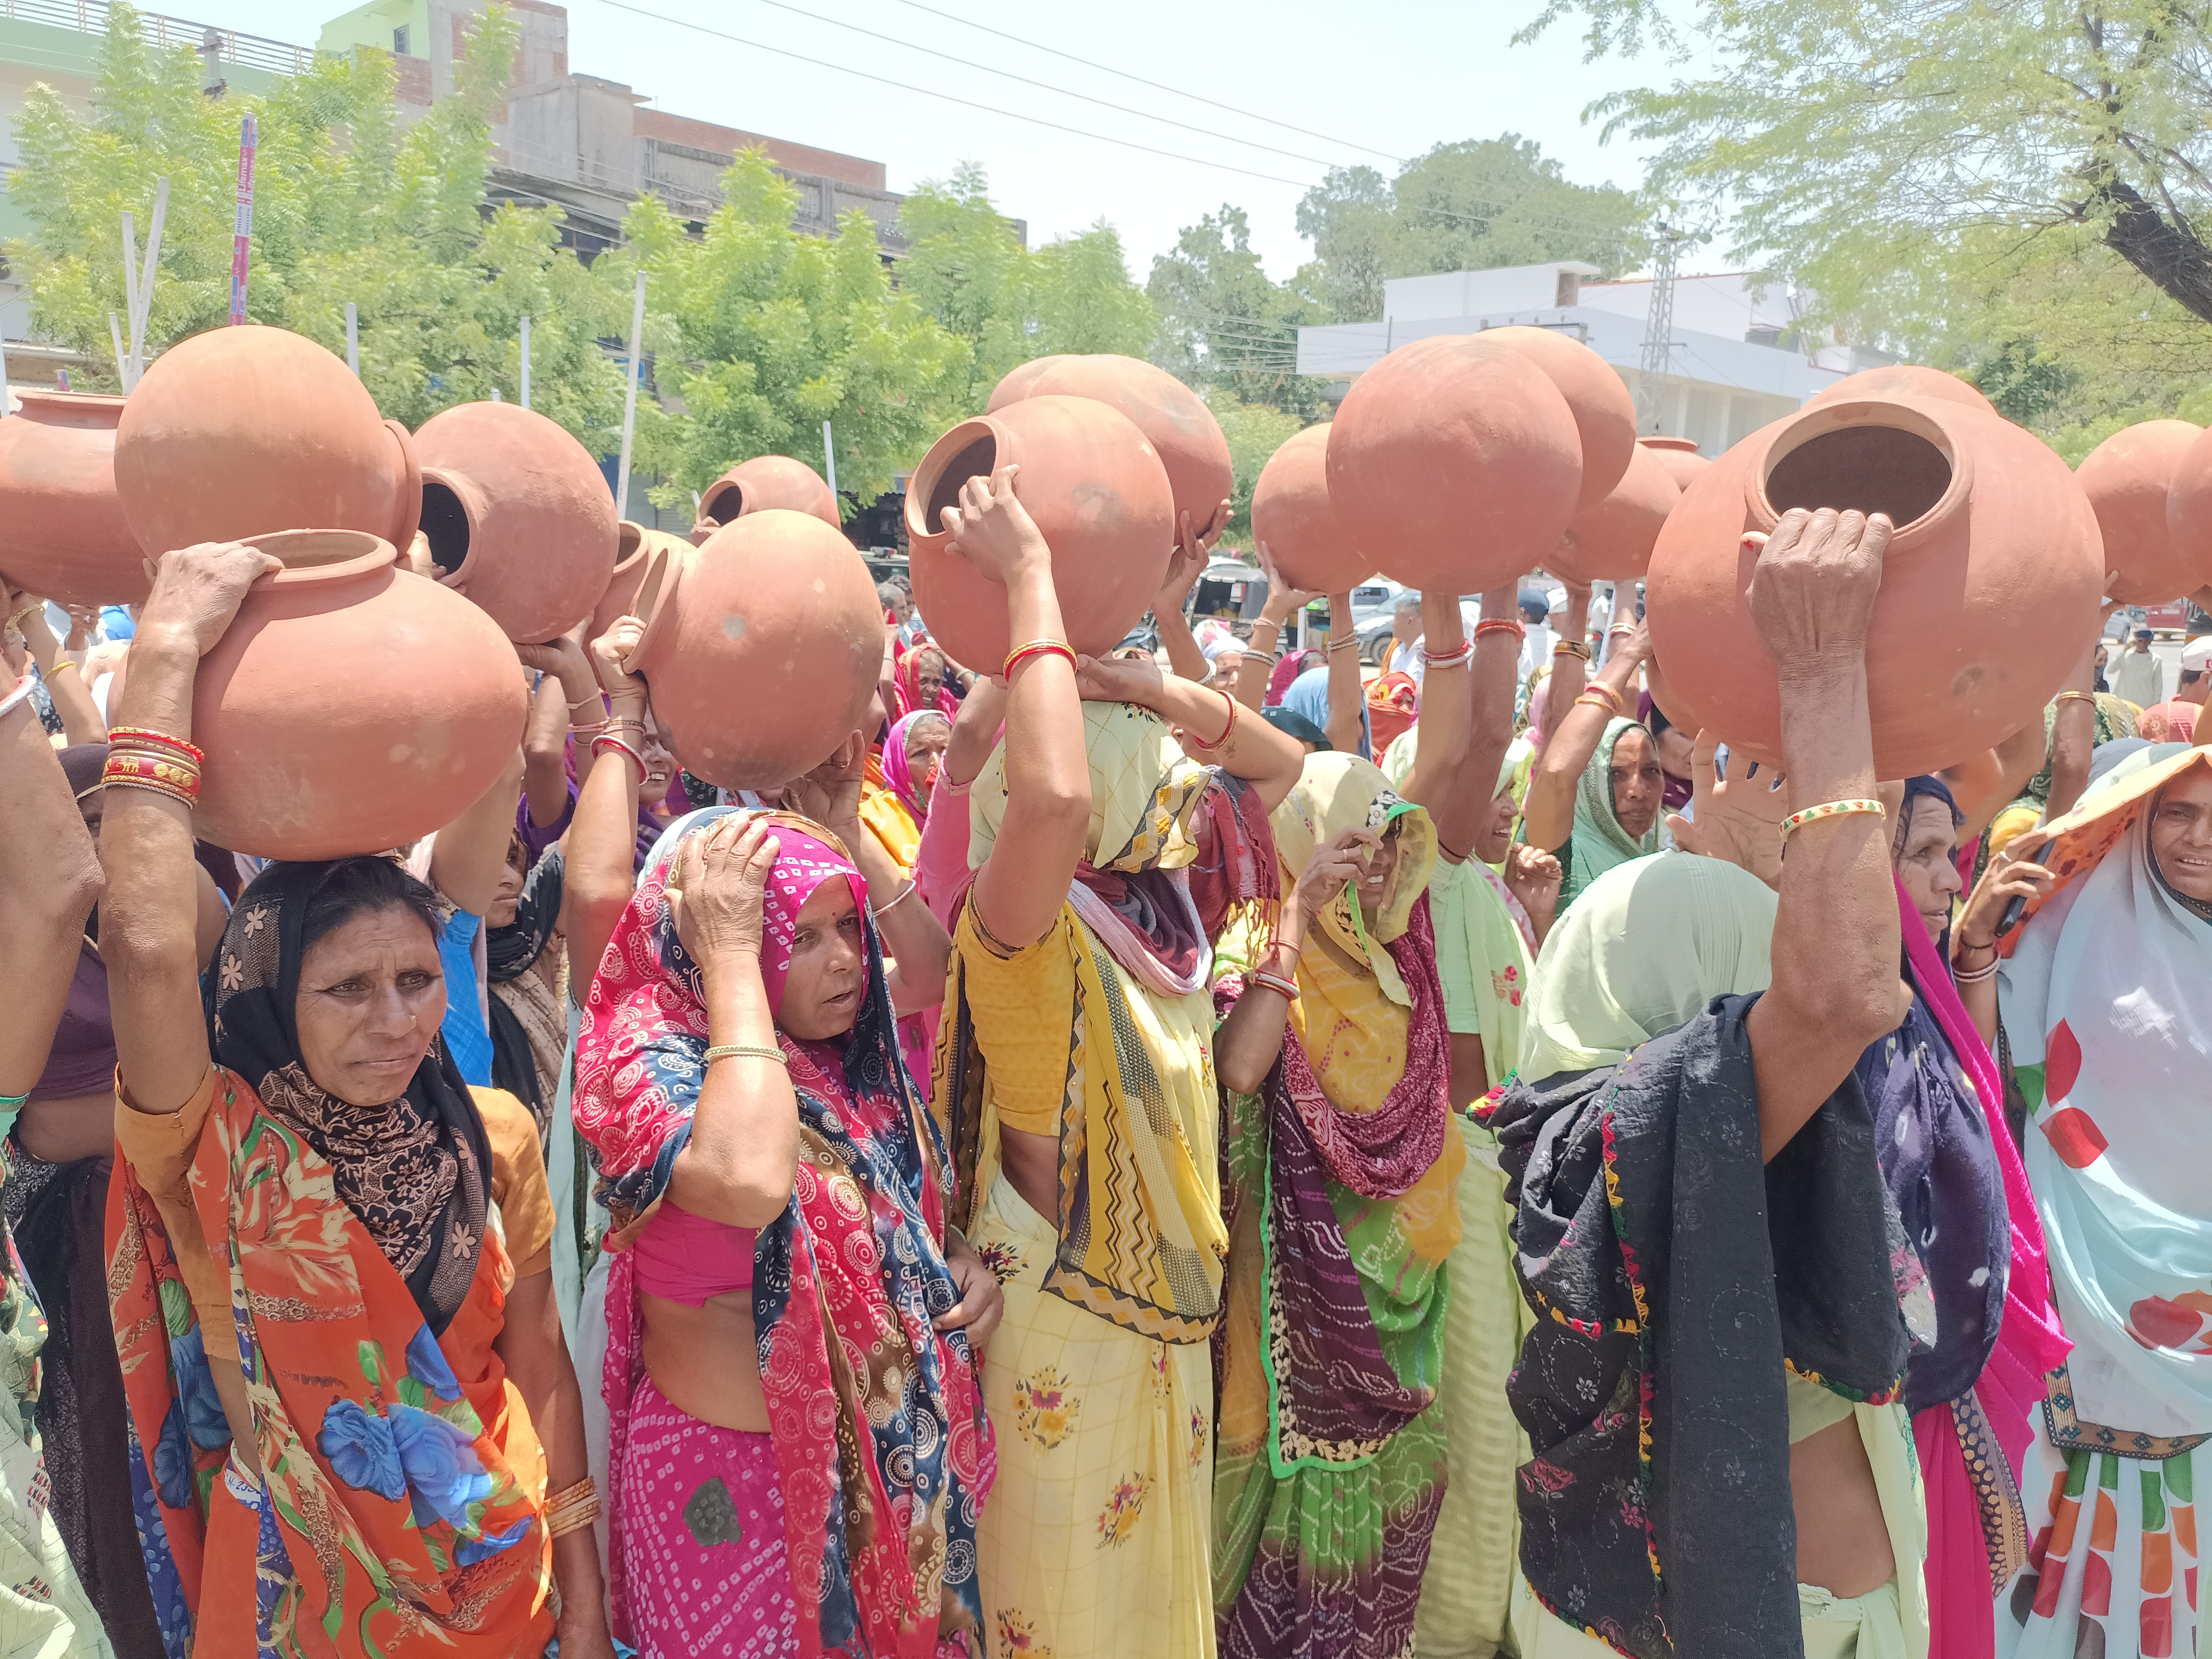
{"x": 1096, "y": 489}
{"x": 640, "y": 558}
{"x": 1974, "y": 780}
{"x": 2188, "y": 521}
{"x": 1988, "y": 590}
{"x": 763, "y": 649}
{"x": 1455, "y": 462}
{"x": 63, "y": 535}
{"x": 1613, "y": 541}
{"x": 2126, "y": 478}
{"x": 351, "y": 706}
{"x": 1907, "y": 380}
{"x": 1293, "y": 519}
{"x": 1678, "y": 456}
{"x": 770, "y": 481}
{"x": 238, "y": 429}
{"x": 1605, "y": 415}
{"x": 1014, "y": 385}
{"x": 518, "y": 517}
{"x": 1178, "y": 425}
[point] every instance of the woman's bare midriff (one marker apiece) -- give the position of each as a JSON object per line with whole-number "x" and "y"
{"x": 1843, "y": 1542}
{"x": 705, "y": 1361}
{"x": 64, "y": 1131}
{"x": 1032, "y": 1165}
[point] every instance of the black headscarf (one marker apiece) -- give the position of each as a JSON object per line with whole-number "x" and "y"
{"x": 509, "y": 952}
{"x": 415, "y": 1173}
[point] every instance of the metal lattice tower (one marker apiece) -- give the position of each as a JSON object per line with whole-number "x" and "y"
{"x": 1658, "y": 328}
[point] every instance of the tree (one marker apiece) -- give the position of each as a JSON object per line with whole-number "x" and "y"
{"x": 760, "y": 334}
{"x": 1953, "y": 176}
{"x": 347, "y": 207}
{"x": 966, "y": 267}
{"x": 1225, "y": 325}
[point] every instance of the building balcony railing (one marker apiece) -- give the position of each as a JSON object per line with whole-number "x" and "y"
{"x": 164, "y": 33}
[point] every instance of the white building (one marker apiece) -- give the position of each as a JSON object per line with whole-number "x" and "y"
{"x": 1729, "y": 374}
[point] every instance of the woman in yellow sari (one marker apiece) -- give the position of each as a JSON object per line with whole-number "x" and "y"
{"x": 1343, "y": 1172}
{"x": 1075, "y": 1070}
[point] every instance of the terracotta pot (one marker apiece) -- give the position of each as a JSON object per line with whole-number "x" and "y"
{"x": 770, "y": 481}
{"x": 238, "y": 429}
{"x": 1907, "y": 380}
{"x": 1292, "y": 516}
{"x": 2126, "y": 478}
{"x": 518, "y": 517}
{"x": 763, "y": 650}
{"x": 639, "y": 578}
{"x": 2188, "y": 521}
{"x": 1678, "y": 456}
{"x": 1974, "y": 780}
{"x": 1988, "y": 590}
{"x": 1096, "y": 488}
{"x": 1014, "y": 385}
{"x": 351, "y": 706}
{"x": 1177, "y": 424}
{"x": 63, "y": 536}
{"x": 1613, "y": 541}
{"x": 1456, "y": 462}
{"x": 1605, "y": 415}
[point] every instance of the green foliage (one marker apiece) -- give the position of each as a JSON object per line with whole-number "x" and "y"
{"x": 1468, "y": 206}
{"x": 1225, "y": 327}
{"x": 760, "y": 334}
{"x": 965, "y": 268}
{"x": 347, "y": 207}
{"x": 1254, "y": 431}
{"x": 2013, "y": 190}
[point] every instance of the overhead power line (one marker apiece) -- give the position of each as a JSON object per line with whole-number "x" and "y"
{"x": 1042, "y": 86}
{"x": 946, "y": 97}
{"x": 1158, "y": 86}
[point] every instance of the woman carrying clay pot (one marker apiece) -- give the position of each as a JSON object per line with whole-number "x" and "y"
{"x": 1595, "y": 793}
{"x": 49, "y": 881}
{"x": 738, "y": 1079}
{"x": 1457, "y": 761}
{"x": 401, "y": 1459}
{"x": 1687, "y": 1135}
{"x": 1107, "y": 856}
{"x": 2101, "y": 1007}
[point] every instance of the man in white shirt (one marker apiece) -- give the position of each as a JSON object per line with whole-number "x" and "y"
{"x": 1405, "y": 640}
{"x": 2139, "y": 677}
{"x": 1537, "y": 649}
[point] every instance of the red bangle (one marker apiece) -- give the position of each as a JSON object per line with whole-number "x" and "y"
{"x": 159, "y": 740}
{"x": 1225, "y": 730}
{"x": 600, "y": 742}
{"x": 1501, "y": 625}
{"x": 1448, "y": 658}
{"x": 1022, "y": 654}
{"x": 178, "y": 780}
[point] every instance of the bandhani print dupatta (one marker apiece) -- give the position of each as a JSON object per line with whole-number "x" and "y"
{"x": 400, "y": 1505}
{"x": 884, "y": 1453}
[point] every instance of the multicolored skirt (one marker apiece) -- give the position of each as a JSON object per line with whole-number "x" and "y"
{"x": 702, "y": 1538}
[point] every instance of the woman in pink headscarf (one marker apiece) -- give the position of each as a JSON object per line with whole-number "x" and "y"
{"x": 913, "y": 751}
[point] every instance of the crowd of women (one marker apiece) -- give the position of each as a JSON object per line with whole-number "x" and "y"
{"x": 1110, "y": 1164}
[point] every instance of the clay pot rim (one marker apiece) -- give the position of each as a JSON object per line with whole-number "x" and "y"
{"x": 370, "y": 554}
{"x": 86, "y": 403}
{"x": 663, "y": 575}
{"x": 1680, "y": 446}
{"x": 1906, "y": 415}
{"x": 635, "y": 533}
{"x": 921, "y": 484}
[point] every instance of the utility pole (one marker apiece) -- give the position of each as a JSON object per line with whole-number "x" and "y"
{"x": 1658, "y": 328}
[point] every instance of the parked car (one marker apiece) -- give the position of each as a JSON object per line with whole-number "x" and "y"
{"x": 1229, "y": 589}
{"x": 1375, "y": 632}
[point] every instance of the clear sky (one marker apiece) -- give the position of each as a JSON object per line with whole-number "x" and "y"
{"x": 1397, "y": 76}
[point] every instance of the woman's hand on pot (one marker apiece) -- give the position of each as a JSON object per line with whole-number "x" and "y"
{"x": 1197, "y": 541}
{"x": 830, "y": 793}
{"x": 1813, "y": 591}
{"x": 197, "y": 591}
{"x": 1282, "y": 598}
{"x": 610, "y": 650}
{"x": 991, "y": 528}
{"x": 1118, "y": 679}
{"x": 716, "y": 895}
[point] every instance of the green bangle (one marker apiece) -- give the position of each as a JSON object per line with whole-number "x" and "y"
{"x": 724, "y": 1050}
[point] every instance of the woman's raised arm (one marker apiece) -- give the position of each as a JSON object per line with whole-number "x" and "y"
{"x": 49, "y": 882}
{"x": 1549, "y": 811}
{"x": 148, "y": 913}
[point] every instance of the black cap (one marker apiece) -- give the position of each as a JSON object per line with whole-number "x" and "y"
{"x": 2144, "y": 634}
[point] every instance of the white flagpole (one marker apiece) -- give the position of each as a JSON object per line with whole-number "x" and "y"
{"x": 525, "y": 362}
{"x": 629, "y": 399}
{"x": 147, "y": 272}
{"x": 352, "y": 338}
{"x": 122, "y": 357}
{"x": 130, "y": 296}
{"x": 830, "y": 454}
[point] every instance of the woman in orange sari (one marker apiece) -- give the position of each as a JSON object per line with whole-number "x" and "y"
{"x": 328, "y": 1257}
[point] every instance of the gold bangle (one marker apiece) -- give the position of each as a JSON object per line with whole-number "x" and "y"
{"x": 1570, "y": 649}
{"x": 725, "y": 1050}
{"x": 2089, "y": 697}
{"x": 61, "y": 663}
